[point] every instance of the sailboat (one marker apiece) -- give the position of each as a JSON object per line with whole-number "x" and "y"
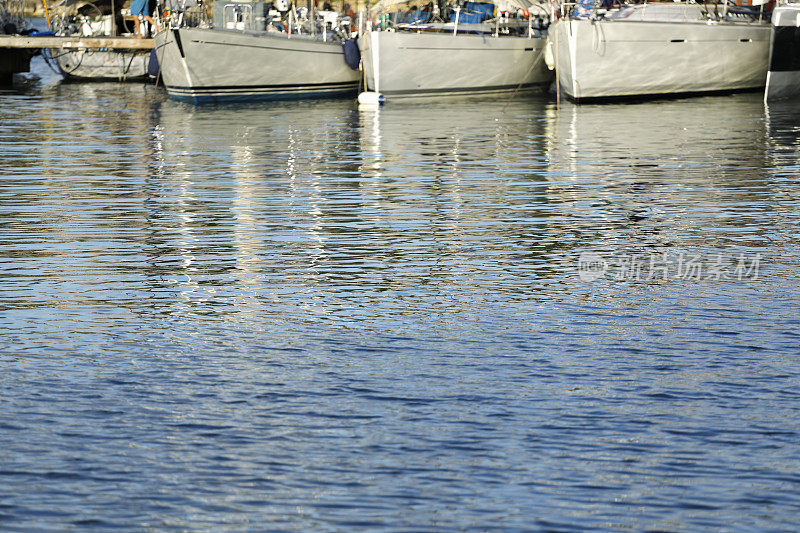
{"x": 252, "y": 53}
{"x": 783, "y": 78}
{"x": 476, "y": 47}
{"x": 657, "y": 48}
{"x": 99, "y": 18}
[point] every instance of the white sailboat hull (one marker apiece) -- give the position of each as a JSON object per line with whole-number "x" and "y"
{"x": 102, "y": 65}
{"x": 203, "y": 65}
{"x": 439, "y": 63}
{"x": 611, "y": 58}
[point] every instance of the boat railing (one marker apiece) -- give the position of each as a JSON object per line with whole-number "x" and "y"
{"x": 700, "y": 11}
{"x": 463, "y": 17}
{"x": 238, "y": 16}
{"x": 186, "y": 14}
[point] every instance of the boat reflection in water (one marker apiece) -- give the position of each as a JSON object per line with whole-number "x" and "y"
{"x": 642, "y": 176}
{"x": 782, "y": 119}
{"x": 533, "y": 184}
{"x": 320, "y": 193}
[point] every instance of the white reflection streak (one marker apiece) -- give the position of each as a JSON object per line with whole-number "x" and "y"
{"x": 316, "y": 245}
{"x": 245, "y": 200}
{"x": 184, "y": 214}
{"x": 372, "y": 147}
{"x": 562, "y": 149}
{"x": 158, "y": 150}
{"x": 315, "y": 231}
{"x": 315, "y": 198}
{"x": 372, "y": 158}
{"x": 458, "y": 200}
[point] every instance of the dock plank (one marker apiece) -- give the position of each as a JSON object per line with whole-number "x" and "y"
{"x": 66, "y": 43}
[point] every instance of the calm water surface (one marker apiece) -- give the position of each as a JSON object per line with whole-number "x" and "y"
{"x": 306, "y": 317}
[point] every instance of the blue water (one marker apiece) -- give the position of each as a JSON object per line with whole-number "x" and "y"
{"x": 300, "y": 316}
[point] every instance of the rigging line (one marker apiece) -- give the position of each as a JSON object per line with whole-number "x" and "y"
{"x": 48, "y": 57}
{"x": 161, "y": 61}
{"x": 533, "y": 65}
{"x": 167, "y": 26}
{"x": 128, "y": 68}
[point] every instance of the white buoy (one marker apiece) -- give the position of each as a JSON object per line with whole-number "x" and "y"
{"x": 370, "y": 99}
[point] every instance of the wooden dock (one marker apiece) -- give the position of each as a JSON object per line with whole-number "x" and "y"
{"x": 76, "y": 43}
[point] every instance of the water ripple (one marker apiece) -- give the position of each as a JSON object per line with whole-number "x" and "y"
{"x": 306, "y": 317}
